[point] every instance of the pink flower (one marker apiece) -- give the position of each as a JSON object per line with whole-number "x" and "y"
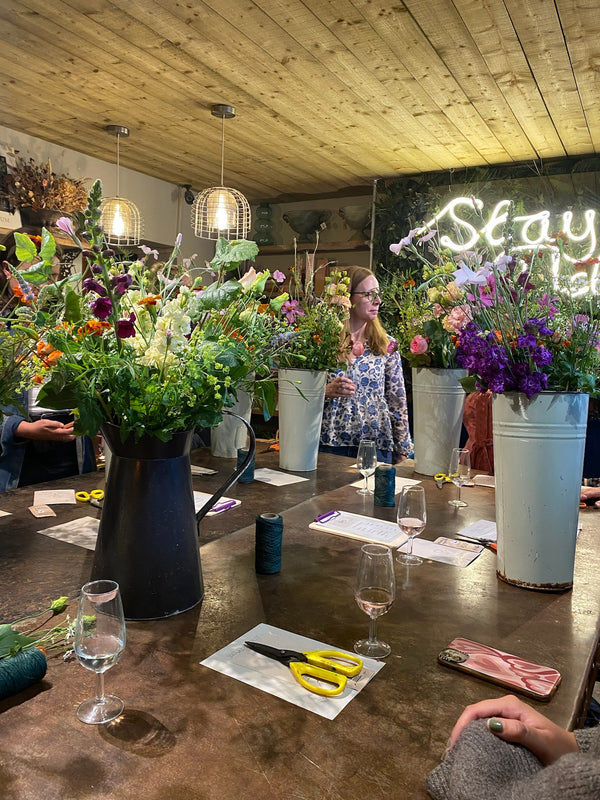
{"x": 290, "y": 310}
{"x": 438, "y": 310}
{"x": 457, "y": 319}
{"x": 358, "y": 349}
{"x": 392, "y": 346}
{"x": 65, "y": 225}
{"x": 419, "y": 345}
{"x": 278, "y": 276}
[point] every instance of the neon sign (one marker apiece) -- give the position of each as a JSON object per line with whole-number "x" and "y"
{"x": 530, "y": 231}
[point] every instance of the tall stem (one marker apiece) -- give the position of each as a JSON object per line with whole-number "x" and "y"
{"x": 366, "y": 483}
{"x": 410, "y": 545}
{"x": 100, "y": 687}
{"x": 459, "y": 486}
{"x": 372, "y": 629}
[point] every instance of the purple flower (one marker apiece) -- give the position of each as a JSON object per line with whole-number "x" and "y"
{"x": 148, "y": 251}
{"x": 527, "y": 340}
{"x": 532, "y": 384}
{"x": 102, "y": 308}
{"x": 278, "y": 276}
{"x": 125, "y": 327}
{"x": 122, "y": 282}
{"x": 290, "y": 310}
{"x": 541, "y": 356}
{"x": 65, "y": 225}
{"x": 90, "y": 285}
{"x": 524, "y": 281}
{"x": 96, "y": 269}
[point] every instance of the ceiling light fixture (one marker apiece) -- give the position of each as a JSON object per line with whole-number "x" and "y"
{"x": 221, "y": 211}
{"x": 120, "y": 218}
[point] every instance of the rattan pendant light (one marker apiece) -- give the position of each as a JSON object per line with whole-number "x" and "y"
{"x": 120, "y": 218}
{"x": 221, "y": 211}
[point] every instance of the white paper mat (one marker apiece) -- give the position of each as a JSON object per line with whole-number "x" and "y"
{"x": 243, "y": 664}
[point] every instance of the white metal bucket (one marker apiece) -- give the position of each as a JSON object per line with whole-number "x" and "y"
{"x": 538, "y": 460}
{"x": 230, "y": 435}
{"x": 438, "y": 403}
{"x": 300, "y": 418}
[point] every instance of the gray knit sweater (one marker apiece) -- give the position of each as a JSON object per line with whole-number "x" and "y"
{"x": 482, "y": 767}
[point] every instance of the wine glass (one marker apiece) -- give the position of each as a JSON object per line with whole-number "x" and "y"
{"x": 374, "y": 591}
{"x": 459, "y": 473}
{"x": 412, "y": 518}
{"x": 99, "y": 641}
{"x": 366, "y": 462}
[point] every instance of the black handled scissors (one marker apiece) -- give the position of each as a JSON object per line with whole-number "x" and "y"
{"x": 325, "y": 665}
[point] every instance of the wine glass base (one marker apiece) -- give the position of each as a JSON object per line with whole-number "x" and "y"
{"x": 457, "y": 503}
{"x": 374, "y": 649}
{"x": 408, "y": 560}
{"x": 364, "y": 491}
{"x": 95, "y": 712}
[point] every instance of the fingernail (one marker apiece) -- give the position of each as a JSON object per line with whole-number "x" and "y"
{"x": 495, "y": 726}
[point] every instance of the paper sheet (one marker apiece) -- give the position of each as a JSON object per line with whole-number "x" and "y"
{"x": 485, "y": 480}
{"x": 54, "y": 497}
{"x": 83, "y": 532}
{"x": 4, "y": 513}
{"x": 223, "y": 504}
{"x": 243, "y": 664}
{"x": 202, "y": 470}
{"x": 400, "y": 483}
{"x": 482, "y": 529}
{"x": 276, "y": 478}
{"x": 439, "y": 552}
{"x": 357, "y": 526}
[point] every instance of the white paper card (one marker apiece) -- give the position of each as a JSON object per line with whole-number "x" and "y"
{"x": 202, "y": 470}
{"x": 4, "y": 513}
{"x": 482, "y": 529}
{"x": 356, "y": 526}
{"x": 485, "y": 480}
{"x": 276, "y": 478}
{"x": 243, "y": 664}
{"x": 222, "y": 504}
{"x": 83, "y": 532}
{"x": 400, "y": 483}
{"x": 54, "y": 497}
{"x": 440, "y": 552}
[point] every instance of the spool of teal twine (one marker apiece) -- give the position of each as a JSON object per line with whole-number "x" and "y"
{"x": 20, "y": 671}
{"x": 247, "y": 475}
{"x": 385, "y": 486}
{"x": 267, "y": 552}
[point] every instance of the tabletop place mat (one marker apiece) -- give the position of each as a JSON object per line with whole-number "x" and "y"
{"x": 239, "y": 662}
{"x": 82, "y": 532}
{"x": 54, "y": 497}
{"x": 222, "y": 504}
{"x": 276, "y": 478}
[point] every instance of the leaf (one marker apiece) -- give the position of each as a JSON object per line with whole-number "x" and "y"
{"x": 12, "y": 641}
{"x": 229, "y": 255}
{"x": 52, "y": 397}
{"x": 72, "y": 306}
{"x": 218, "y": 297}
{"x": 469, "y": 384}
{"x": 25, "y": 249}
{"x": 266, "y": 391}
{"x": 37, "y": 273}
{"x": 277, "y": 302}
{"x": 48, "y": 248}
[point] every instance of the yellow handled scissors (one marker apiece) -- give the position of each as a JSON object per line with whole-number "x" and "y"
{"x": 324, "y": 665}
{"x": 441, "y": 478}
{"x": 94, "y": 497}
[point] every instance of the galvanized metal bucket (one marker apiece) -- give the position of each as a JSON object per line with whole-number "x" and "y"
{"x": 538, "y": 460}
{"x": 301, "y": 398}
{"x": 438, "y": 403}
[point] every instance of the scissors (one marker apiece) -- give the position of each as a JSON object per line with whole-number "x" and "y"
{"x": 441, "y": 478}
{"x": 324, "y": 665}
{"x": 93, "y": 498}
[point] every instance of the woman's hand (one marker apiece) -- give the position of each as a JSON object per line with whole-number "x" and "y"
{"x": 340, "y": 387}
{"x": 50, "y": 430}
{"x": 590, "y": 493}
{"x": 514, "y": 721}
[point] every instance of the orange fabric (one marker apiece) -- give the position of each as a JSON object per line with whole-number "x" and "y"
{"x": 477, "y": 419}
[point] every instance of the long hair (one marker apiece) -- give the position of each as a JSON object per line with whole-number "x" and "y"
{"x": 375, "y": 334}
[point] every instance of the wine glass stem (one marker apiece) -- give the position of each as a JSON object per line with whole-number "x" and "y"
{"x": 100, "y": 687}
{"x": 458, "y": 492}
{"x": 366, "y": 483}
{"x": 410, "y": 545}
{"x": 372, "y": 629}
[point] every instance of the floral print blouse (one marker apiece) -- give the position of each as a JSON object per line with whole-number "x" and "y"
{"x": 377, "y": 410}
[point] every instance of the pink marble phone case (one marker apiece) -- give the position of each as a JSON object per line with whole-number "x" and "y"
{"x": 518, "y": 674}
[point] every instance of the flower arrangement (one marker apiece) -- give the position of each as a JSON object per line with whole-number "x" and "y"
{"x": 427, "y": 315}
{"x": 151, "y": 358}
{"x": 508, "y": 319}
{"x": 30, "y": 184}
{"x": 313, "y": 325}
{"x": 529, "y": 331}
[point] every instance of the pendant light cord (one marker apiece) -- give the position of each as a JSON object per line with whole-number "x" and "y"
{"x": 222, "y": 146}
{"x": 118, "y": 139}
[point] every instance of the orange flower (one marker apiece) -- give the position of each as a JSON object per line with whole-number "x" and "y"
{"x": 53, "y": 357}
{"x": 408, "y": 284}
{"x": 93, "y": 327}
{"x": 43, "y": 348}
{"x": 149, "y": 300}
{"x": 18, "y": 292}
{"x": 37, "y": 379}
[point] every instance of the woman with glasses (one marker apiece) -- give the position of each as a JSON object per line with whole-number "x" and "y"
{"x": 368, "y": 399}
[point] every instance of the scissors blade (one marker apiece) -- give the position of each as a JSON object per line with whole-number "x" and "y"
{"x": 284, "y": 656}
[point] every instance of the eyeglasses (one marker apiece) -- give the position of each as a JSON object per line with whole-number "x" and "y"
{"x": 373, "y": 295}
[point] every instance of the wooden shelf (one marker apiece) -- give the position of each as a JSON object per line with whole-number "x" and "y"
{"x": 324, "y": 247}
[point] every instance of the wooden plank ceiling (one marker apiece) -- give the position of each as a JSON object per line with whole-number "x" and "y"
{"x": 329, "y": 94}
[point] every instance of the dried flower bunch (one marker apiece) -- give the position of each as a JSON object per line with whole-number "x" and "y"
{"x": 30, "y": 184}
